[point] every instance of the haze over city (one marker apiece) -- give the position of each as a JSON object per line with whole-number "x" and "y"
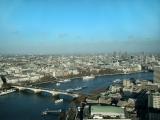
{"x": 80, "y": 59}
{"x": 84, "y": 26}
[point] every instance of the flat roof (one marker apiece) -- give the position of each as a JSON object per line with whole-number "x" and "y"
{"x": 109, "y": 109}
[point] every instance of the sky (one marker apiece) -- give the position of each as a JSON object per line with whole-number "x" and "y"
{"x": 79, "y": 26}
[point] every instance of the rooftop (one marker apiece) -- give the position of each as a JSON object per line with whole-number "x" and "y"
{"x": 113, "y": 109}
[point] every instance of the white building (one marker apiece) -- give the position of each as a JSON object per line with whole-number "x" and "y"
{"x": 98, "y": 111}
{"x": 115, "y": 88}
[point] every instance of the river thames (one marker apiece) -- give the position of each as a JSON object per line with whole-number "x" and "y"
{"x": 28, "y": 106}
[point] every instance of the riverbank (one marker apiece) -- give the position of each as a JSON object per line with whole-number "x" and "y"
{"x": 7, "y": 92}
{"x": 123, "y": 73}
{"x": 53, "y": 80}
{"x": 96, "y": 93}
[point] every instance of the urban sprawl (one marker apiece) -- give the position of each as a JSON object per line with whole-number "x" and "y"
{"x": 124, "y": 99}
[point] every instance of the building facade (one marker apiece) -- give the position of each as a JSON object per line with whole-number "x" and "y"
{"x": 157, "y": 75}
{"x": 154, "y": 100}
{"x": 127, "y": 83}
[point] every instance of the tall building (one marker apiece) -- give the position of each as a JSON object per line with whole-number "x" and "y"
{"x": 157, "y": 74}
{"x": 154, "y": 100}
{"x": 153, "y": 106}
{"x": 1, "y": 83}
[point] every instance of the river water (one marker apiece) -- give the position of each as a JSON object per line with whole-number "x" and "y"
{"x": 27, "y": 106}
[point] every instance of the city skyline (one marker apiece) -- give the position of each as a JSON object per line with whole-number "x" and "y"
{"x": 50, "y": 27}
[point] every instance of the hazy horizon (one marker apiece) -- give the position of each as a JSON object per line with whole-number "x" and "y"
{"x": 79, "y": 27}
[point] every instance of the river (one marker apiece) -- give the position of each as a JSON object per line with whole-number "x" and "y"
{"x": 27, "y": 106}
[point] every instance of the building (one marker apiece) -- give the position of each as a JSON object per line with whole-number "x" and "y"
{"x": 153, "y": 114}
{"x": 154, "y": 106}
{"x": 105, "y": 112}
{"x": 127, "y": 83}
{"x": 1, "y": 82}
{"x": 150, "y": 87}
{"x": 157, "y": 75}
{"x": 115, "y": 88}
{"x": 154, "y": 100}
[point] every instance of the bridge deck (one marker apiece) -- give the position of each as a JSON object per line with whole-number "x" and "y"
{"x": 53, "y": 92}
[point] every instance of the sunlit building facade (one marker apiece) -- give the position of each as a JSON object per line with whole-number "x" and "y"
{"x": 157, "y": 75}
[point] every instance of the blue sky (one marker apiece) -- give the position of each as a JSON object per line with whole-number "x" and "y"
{"x": 79, "y": 26}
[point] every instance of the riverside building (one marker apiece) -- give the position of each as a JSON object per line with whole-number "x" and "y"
{"x": 157, "y": 75}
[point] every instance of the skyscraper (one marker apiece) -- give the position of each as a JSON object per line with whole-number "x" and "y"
{"x": 154, "y": 100}
{"x": 157, "y": 75}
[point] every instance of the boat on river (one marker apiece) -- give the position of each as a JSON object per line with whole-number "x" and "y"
{"x": 58, "y": 84}
{"x": 117, "y": 81}
{"x": 78, "y": 88}
{"x": 88, "y": 77}
{"x": 46, "y": 112}
{"x": 70, "y": 90}
{"x": 58, "y": 101}
{"x": 66, "y": 80}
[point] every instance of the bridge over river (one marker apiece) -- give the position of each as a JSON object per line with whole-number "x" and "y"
{"x": 40, "y": 90}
